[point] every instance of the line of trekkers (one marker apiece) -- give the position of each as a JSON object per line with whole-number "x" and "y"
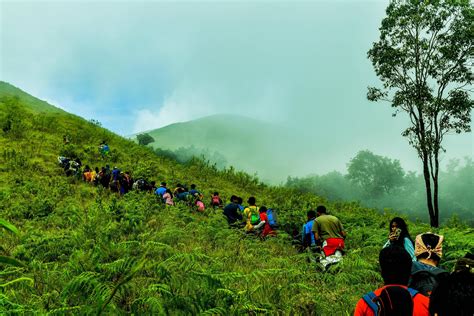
{"x": 256, "y": 220}
{"x": 413, "y": 282}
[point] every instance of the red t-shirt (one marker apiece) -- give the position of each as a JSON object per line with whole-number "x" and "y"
{"x": 267, "y": 229}
{"x": 420, "y": 305}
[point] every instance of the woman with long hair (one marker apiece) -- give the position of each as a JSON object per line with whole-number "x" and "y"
{"x": 399, "y": 236}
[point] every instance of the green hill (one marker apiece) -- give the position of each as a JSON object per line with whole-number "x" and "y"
{"x": 81, "y": 249}
{"x": 245, "y": 143}
{"x": 9, "y": 91}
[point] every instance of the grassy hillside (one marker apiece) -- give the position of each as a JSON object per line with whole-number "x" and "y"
{"x": 85, "y": 250}
{"x": 247, "y": 144}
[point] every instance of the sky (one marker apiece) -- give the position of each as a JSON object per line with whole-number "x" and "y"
{"x": 140, "y": 65}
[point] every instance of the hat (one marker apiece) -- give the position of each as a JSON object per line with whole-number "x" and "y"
{"x": 421, "y": 248}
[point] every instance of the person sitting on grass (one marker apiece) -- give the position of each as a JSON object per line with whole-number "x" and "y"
{"x": 328, "y": 231}
{"x": 425, "y": 273}
{"x": 307, "y": 234}
{"x": 251, "y": 215}
{"x": 399, "y": 236}
{"x": 232, "y": 211}
{"x": 265, "y": 223}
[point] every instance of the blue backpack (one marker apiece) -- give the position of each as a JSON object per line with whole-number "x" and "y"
{"x": 382, "y": 304}
{"x": 272, "y": 217}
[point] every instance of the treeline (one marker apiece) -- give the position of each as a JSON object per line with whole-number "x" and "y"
{"x": 380, "y": 182}
{"x": 186, "y": 154}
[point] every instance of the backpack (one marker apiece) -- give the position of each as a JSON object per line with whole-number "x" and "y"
{"x": 272, "y": 217}
{"x": 216, "y": 200}
{"x": 393, "y": 300}
{"x": 425, "y": 280}
{"x": 254, "y": 215}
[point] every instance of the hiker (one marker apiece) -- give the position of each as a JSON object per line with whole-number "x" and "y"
{"x": 96, "y": 179}
{"x": 239, "y": 202}
{"x": 251, "y": 215}
{"x": 104, "y": 177}
{"x": 232, "y": 211}
{"x": 199, "y": 203}
{"x": 454, "y": 295}
{"x": 265, "y": 223}
{"x": 140, "y": 185}
{"x": 216, "y": 200}
{"x": 151, "y": 187}
{"x": 127, "y": 182}
{"x": 86, "y": 175}
{"x": 168, "y": 197}
{"x": 394, "y": 298}
{"x": 180, "y": 192}
{"x": 465, "y": 263}
{"x": 161, "y": 190}
{"x": 399, "y": 236}
{"x": 425, "y": 273}
{"x": 307, "y": 235}
{"x": 193, "y": 190}
{"x": 104, "y": 149}
{"x": 328, "y": 231}
{"x": 115, "y": 180}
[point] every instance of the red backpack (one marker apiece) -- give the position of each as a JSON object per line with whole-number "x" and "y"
{"x": 216, "y": 200}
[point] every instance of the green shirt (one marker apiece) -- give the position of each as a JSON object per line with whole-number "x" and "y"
{"x": 328, "y": 226}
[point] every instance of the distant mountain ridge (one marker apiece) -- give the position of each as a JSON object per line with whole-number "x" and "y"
{"x": 246, "y": 143}
{"x": 35, "y": 104}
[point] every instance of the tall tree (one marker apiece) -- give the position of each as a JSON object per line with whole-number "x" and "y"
{"x": 424, "y": 58}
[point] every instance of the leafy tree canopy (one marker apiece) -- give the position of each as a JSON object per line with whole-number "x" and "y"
{"x": 377, "y": 174}
{"x": 145, "y": 139}
{"x": 424, "y": 59}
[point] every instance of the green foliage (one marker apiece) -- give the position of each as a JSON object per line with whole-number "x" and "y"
{"x": 144, "y": 139}
{"x": 377, "y": 175}
{"x": 86, "y": 250}
{"x": 424, "y": 60}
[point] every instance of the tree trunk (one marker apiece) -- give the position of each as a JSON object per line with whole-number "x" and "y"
{"x": 429, "y": 201}
{"x": 435, "y": 220}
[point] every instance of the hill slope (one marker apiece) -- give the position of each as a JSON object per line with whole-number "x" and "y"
{"x": 87, "y": 250}
{"x": 247, "y": 144}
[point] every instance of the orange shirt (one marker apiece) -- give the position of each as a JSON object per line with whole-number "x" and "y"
{"x": 420, "y": 305}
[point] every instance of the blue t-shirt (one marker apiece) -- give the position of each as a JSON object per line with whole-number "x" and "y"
{"x": 194, "y": 191}
{"x": 160, "y": 191}
{"x": 307, "y": 230}
{"x": 408, "y": 245}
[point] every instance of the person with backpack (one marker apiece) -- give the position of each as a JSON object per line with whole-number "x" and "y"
{"x": 251, "y": 215}
{"x": 200, "y": 207}
{"x": 328, "y": 232}
{"x": 96, "y": 180}
{"x": 86, "y": 174}
{"x": 104, "y": 177}
{"x": 168, "y": 197}
{"x": 394, "y": 298}
{"x": 193, "y": 190}
{"x": 232, "y": 211}
{"x": 216, "y": 200}
{"x": 425, "y": 273}
{"x": 454, "y": 295}
{"x": 239, "y": 202}
{"x": 265, "y": 223}
{"x": 161, "y": 190}
{"x": 307, "y": 234}
{"x": 399, "y": 236}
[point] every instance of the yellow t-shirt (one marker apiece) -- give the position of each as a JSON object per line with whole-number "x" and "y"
{"x": 248, "y": 212}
